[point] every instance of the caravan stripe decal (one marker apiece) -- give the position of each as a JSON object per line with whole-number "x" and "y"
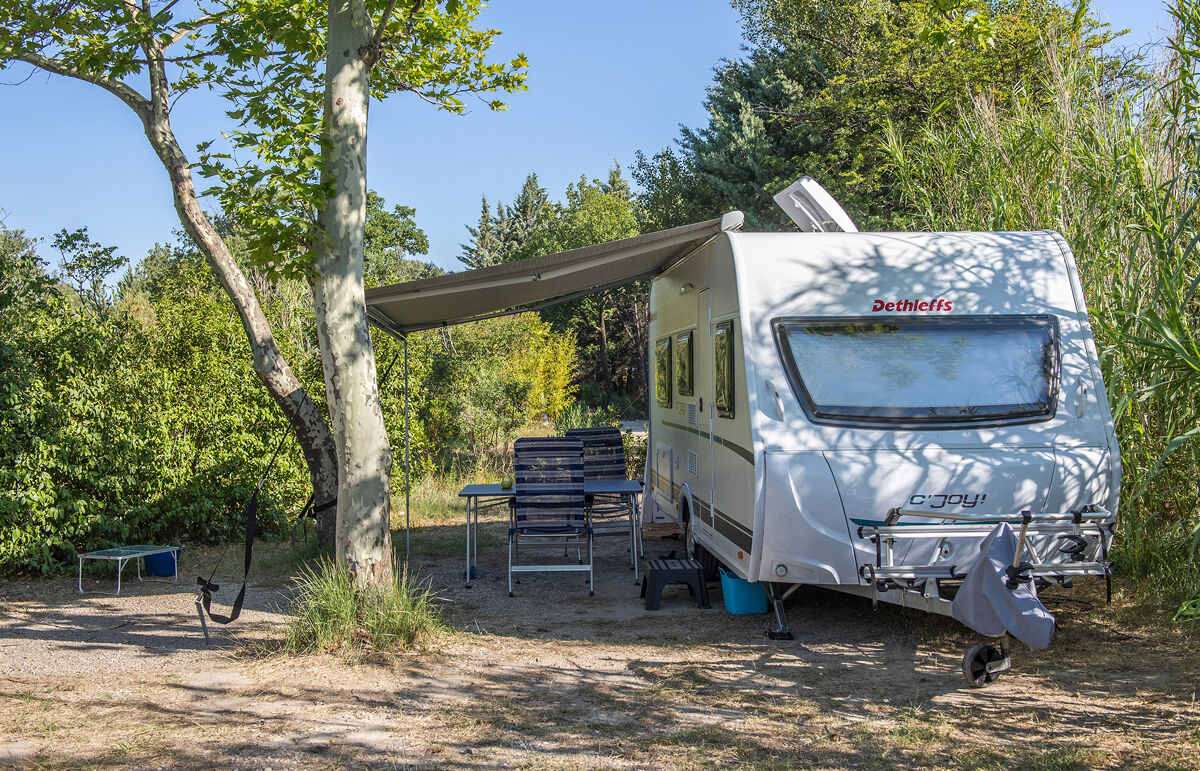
{"x": 740, "y": 451}
{"x": 726, "y": 526}
{"x": 733, "y": 531}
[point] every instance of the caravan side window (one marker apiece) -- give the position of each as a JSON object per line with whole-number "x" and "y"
{"x": 683, "y": 363}
{"x": 662, "y": 372}
{"x": 723, "y": 368}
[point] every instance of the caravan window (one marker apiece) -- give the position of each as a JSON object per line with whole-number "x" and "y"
{"x": 723, "y": 368}
{"x": 662, "y": 372}
{"x": 922, "y": 371}
{"x": 683, "y": 363}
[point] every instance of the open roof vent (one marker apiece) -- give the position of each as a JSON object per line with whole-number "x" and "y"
{"x": 813, "y": 209}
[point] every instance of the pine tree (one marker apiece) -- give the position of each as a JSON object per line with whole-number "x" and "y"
{"x": 617, "y": 185}
{"x": 486, "y": 247}
{"x": 530, "y": 212}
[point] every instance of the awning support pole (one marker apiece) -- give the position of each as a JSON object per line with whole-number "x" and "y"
{"x": 407, "y": 539}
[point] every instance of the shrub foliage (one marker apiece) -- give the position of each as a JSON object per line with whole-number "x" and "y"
{"x": 135, "y": 415}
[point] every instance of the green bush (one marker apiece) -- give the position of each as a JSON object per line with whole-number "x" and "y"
{"x": 486, "y": 383}
{"x": 126, "y": 421}
{"x": 635, "y": 453}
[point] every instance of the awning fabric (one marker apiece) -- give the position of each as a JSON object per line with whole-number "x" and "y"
{"x": 537, "y": 282}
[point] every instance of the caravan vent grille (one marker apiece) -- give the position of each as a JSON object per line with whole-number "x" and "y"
{"x": 693, "y": 463}
{"x": 691, "y": 414}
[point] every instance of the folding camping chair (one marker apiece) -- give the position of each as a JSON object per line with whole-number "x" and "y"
{"x": 604, "y": 458}
{"x": 548, "y": 504}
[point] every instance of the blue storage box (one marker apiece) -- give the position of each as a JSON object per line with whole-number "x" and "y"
{"x": 742, "y": 598}
{"x": 162, "y": 564}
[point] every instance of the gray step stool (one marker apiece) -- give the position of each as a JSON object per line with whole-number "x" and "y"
{"x": 659, "y": 573}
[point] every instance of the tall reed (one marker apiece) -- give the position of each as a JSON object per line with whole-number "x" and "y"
{"x": 1114, "y": 170}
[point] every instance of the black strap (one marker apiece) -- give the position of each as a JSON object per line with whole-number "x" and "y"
{"x": 311, "y": 509}
{"x": 207, "y": 587}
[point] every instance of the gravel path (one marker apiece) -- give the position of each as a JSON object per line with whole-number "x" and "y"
{"x": 555, "y": 679}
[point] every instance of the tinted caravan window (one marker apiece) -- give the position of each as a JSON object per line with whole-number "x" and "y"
{"x": 662, "y": 372}
{"x": 723, "y": 368}
{"x": 923, "y": 371}
{"x": 683, "y": 364}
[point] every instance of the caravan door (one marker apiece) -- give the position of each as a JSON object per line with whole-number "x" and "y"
{"x": 702, "y": 355}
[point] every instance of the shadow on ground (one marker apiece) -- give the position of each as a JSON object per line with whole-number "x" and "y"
{"x": 553, "y": 678}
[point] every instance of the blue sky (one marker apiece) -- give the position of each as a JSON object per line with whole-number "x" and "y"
{"x": 605, "y": 80}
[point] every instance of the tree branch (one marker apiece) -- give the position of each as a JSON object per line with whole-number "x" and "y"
{"x": 126, "y": 94}
{"x": 377, "y": 39}
{"x": 424, "y": 97}
{"x": 371, "y": 52}
{"x": 131, "y": 8}
{"x": 173, "y": 59}
{"x": 160, "y": 96}
{"x": 180, "y": 34}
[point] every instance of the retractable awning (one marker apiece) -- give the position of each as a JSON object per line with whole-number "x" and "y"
{"x": 535, "y": 283}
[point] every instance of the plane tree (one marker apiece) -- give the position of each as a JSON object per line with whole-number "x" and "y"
{"x": 298, "y": 77}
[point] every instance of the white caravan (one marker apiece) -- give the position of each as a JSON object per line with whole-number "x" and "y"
{"x": 859, "y": 410}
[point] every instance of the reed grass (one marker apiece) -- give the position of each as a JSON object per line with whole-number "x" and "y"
{"x": 332, "y": 614}
{"x": 1114, "y": 169}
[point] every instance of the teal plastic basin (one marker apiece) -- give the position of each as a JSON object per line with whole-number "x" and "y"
{"x": 742, "y": 598}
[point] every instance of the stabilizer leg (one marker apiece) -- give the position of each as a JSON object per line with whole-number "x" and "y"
{"x": 781, "y": 630}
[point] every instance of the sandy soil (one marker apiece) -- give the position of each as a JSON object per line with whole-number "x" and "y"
{"x": 555, "y": 679}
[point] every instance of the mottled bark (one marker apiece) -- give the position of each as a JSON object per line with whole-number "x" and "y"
{"x": 363, "y": 540}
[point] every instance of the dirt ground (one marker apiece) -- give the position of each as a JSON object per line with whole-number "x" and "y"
{"x": 554, "y": 678}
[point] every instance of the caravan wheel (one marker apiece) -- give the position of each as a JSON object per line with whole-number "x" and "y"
{"x": 975, "y": 665}
{"x": 707, "y": 561}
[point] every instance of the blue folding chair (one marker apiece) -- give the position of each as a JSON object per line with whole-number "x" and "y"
{"x": 604, "y": 458}
{"x": 548, "y": 504}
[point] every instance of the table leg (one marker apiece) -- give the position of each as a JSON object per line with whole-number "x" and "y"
{"x": 637, "y": 508}
{"x": 467, "y": 574}
{"x": 475, "y": 540}
{"x": 633, "y": 537}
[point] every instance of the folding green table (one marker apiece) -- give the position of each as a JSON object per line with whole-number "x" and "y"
{"x": 123, "y": 554}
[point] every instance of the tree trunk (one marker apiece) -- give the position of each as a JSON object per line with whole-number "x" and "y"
{"x": 269, "y": 364}
{"x": 363, "y": 542}
{"x": 605, "y": 369}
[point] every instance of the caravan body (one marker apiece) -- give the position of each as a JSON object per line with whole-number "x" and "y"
{"x": 857, "y": 410}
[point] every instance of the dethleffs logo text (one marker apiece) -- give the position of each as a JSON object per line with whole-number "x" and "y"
{"x": 937, "y": 304}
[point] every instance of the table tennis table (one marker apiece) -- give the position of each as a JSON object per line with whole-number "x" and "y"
{"x": 123, "y": 554}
